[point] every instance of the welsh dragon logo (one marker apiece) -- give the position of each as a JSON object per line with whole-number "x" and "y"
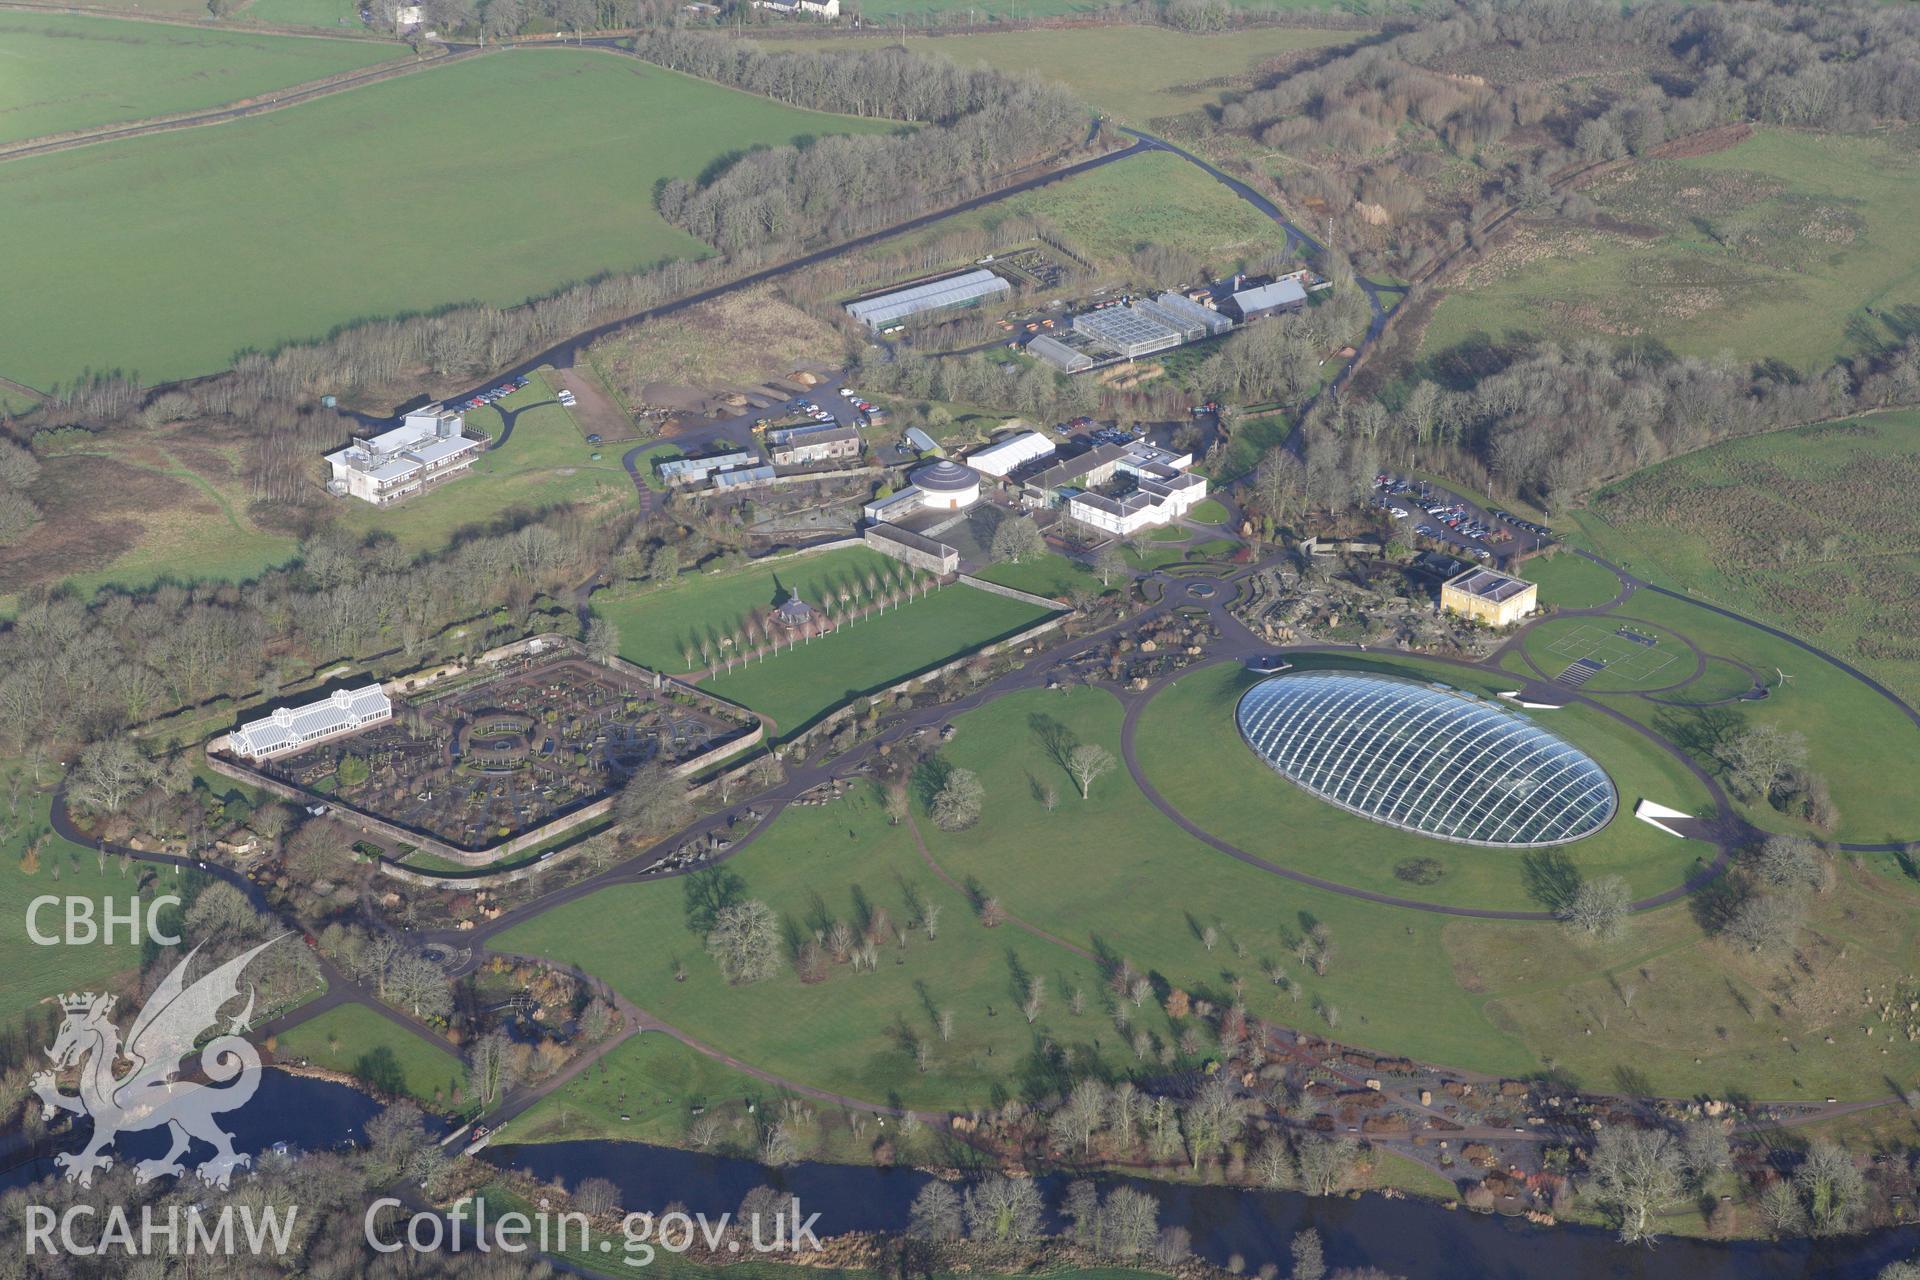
{"x": 147, "y": 1095}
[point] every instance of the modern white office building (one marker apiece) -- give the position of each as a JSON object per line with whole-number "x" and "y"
{"x": 429, "y": 446}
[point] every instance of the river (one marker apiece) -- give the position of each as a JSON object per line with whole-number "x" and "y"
{"x": 1412, "y": 1238}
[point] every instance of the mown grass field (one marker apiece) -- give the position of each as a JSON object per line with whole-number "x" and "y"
{"x": 71, "y": 72}
{"x": 854, "y": 1031}
{"x": 800, "y": 684}
{"x": 357, "y": 1041}
{"x": 1856, "y": 739}
{"x": 1136, "y": 74}
{"x": 666, "y": 630}
{"x": 649, "y": 1088}
{"x": 1568, "y": 582}
{"x": 1791, "y": 244}
{"x": 658, "y": 627}
{"x": 35, "y": 973}
{"x": 166, "y": 255}
{"x": 1112, "y": 875}
{"x": 1502, "y": 997}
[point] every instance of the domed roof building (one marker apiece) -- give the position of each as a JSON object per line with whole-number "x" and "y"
{"x": 947, "y": 485}
{"x": 1426, "y": 758}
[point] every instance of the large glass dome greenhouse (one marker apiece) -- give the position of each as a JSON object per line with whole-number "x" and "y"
{"x": 1426, "y": 758}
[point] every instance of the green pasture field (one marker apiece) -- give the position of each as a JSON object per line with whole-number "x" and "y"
{"x": 543, "y": 464}
{"x": 1049, "y": 575}
{"x": 326, "y": 14}
{"x": 1794, "y": 528}
{"x": 1136, "y": 74}
{"x": 1151, "y": 199}
{"x": 1192, "y": 752}
{"x": 657, "y": 627}
{"x": 35, "y": 973}
{"x": 1792, "y": 244}
{"x": 798, "y": 685}
{"x": 166, "y": 255}
{"x": 925, "y": 10}
{"x": 643, "y": 1089}
{"x": 1569, "y": 582}
{"x": 76, "y": 72}
{"x": 356, "y": 1040}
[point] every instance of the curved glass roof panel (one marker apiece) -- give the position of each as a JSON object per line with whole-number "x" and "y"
{"x": 1426, "y": 758}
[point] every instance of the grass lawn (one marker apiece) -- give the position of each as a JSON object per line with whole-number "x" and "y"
{"x": 359, "y": 1042}
{"x": 800, "y": 684}
{"x": 1193, "y": 754}
{"x": 1049, "y": 575}
{"x": 650, "y": 458}
{"x": 1777, "y": 246}
{"x": 645, "y": 1089}
{"x": 1208, "y": 511}
{"x": 35, "y": 973}
{"x": 649, "y": 1088}
{"x": 543, "y": 464}
{"x": 1569, "y": 582}
{"x": 76, "y": 72}
{"x": 306, "y": 13}
{"x": 278, "y": 227}
{"x": 657, "y": 627}
{"x": 1135, "y": 74}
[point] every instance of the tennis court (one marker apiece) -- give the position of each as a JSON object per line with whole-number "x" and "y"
{"x": 1625, "y": 653}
